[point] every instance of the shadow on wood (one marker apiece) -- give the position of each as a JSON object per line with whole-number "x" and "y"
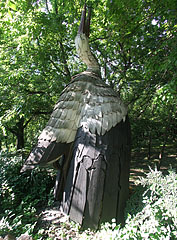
{"x": 97, "y": 182}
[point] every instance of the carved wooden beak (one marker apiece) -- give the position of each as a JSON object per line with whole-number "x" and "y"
{"x": 85, "y": 23}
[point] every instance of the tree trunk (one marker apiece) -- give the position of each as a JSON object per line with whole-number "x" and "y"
{"x": 20, "y": 134}
{"x": 149, "y": 145}
{"x": 165, "y": 138}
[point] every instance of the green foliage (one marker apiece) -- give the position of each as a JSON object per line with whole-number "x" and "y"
{"x": 21, "y": 194}
{"x": 134, "y": 41}
{"x": 157, "y": 219}
{"x": 151, "y": 211}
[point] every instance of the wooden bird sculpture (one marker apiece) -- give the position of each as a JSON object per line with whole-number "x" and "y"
{"x": 88, "y": 139}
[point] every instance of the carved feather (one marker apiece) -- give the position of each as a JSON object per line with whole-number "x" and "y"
{"x": 94, "y": 104}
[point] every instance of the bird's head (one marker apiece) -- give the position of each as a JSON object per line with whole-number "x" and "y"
{"x": 84, "y": 27}
{"x": 82, "y": 42}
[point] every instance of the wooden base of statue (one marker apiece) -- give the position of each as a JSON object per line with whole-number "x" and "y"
{"x": 97, "y": 181}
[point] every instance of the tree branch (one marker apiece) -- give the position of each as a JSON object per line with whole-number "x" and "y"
{"x": 58, "y": 69}
{"x": 42, "y": 113}
{"x": 28, "y": 121}
{"x": 34, "y": 92}
{"x": 47, "y": 7}
{"x": 64, "y": 60}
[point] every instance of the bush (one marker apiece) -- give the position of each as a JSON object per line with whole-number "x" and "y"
{"x": 151, "y": 211}
{"x": 21, "y": 194}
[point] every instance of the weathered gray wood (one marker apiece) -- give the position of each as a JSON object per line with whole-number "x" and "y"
{"x": 57, "y": 185}
{"x": 125, "y": 157}
{"x": 90, "y": 117}
{"x": 68, "y": 189}
{"x": 121, "y": 160}
{"x": 95, "y": 193}
{"x": 111, "y": 191}
{"x": 98, "y": 192}
{"x": 45, "y": 153}
{"x": 79, "y": 194}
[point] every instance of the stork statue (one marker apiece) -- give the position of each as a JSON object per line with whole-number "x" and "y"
{"x": 87, "y": 139}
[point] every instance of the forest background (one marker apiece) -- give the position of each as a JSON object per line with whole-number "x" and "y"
{"x": 135, "y": 42}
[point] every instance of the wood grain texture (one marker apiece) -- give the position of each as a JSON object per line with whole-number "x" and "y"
{"x": 97, "y": 184}
{"x": 86, "y": 101}
{"x": 89, "y": 130}
{"x": 46, "y": 153}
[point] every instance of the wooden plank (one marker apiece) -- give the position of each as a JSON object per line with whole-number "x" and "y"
{"x": 125, "y": 157}
{"x": 116, "y": 185}
{"x": 57, "y": 186}
{"x": 111, "y": 191}
{"x": 79, "y": 195}
{"x": 95, "y": 193}
{"x": 67, "y": 193}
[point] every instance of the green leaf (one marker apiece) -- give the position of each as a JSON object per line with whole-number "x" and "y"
{"x": 12, "y": 5}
